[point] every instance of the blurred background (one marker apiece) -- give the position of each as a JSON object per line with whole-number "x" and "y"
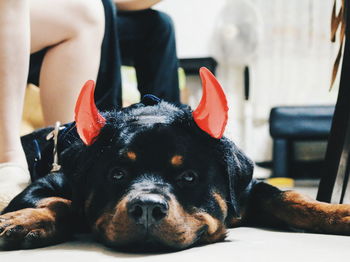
{"x": 274, "y": 59}
{"x": 286, "y": 46}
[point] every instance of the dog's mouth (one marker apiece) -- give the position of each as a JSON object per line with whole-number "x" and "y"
{"x": 146, "y": 245}
{"x": 150, "y": 241}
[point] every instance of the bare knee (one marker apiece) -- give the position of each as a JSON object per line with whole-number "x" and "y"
{"x": 10, "y": 8}
{"x": 87, "y": 18}
{"x": 14, "y": 3}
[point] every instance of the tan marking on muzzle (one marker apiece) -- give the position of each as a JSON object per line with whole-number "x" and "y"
{"x": 115, "y": 226}
{"x": 101, "y": 226}
{"x": 211, "y": 222}
{"x": 235, "y": 222}
{"x": 189, "y": 224}
{"x": 216, "y": 229}
{"x": 222, "y": 203}
{"x": 178, "y": 228}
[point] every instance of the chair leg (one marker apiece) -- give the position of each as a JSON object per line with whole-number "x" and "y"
{"x": 280, "y": 158}
{"x": 334, "y": 181}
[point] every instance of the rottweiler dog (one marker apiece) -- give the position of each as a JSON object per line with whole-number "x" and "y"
{"x": 152, "y": 176}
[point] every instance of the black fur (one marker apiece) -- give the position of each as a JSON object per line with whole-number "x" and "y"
{"x": 155, "y": 131}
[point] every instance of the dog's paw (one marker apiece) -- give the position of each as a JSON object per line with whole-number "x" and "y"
{"x": 339, "y": 218}
{"x": 27, "y": 228}
{"x": 328, "y": 218}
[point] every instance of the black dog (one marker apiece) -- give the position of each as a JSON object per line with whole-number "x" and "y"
{"x": 154, "y": 176}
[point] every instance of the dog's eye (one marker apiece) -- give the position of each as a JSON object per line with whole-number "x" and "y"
{"x": 188, "y": 177}
{"x": 116, "y": 174}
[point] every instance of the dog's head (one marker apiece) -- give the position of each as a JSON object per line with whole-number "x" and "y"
{"x": 158, "y": 175}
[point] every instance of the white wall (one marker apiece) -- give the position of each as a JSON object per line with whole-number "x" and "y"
{"x": 194, "y": 21}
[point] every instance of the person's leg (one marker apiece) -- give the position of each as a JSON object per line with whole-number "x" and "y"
{"x": 73, "y": 31}
{"x": 108, "y": 95}
{"x": 148, "y": 39}
{"x": 14, "y": 62}
{"x": 108, "y": 85}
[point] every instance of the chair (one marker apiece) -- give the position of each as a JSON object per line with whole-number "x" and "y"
{"x": 289, "y": 124}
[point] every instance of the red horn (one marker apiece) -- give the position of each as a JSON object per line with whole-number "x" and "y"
{"x": 88, "y": 120}
{"x": 211, "y": 113}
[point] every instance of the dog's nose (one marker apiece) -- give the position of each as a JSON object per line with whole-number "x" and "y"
{"x": 148, "y": 209}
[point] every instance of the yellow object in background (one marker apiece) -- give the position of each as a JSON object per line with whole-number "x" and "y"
{"x": 281, "y": 181}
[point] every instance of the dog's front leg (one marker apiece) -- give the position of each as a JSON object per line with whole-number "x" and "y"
{"x": 270, "y": 206}
{"x": 41, "y": 215}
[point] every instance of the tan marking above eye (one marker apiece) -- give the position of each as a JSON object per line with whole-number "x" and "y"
{"x": 131, "y": 155}
{"x": 177, "y": 160}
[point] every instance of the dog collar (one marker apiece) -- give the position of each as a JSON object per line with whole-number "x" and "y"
{"x": 150, "y": 100}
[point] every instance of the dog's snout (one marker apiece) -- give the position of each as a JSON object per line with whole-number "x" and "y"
{"x": 148, "y": 209}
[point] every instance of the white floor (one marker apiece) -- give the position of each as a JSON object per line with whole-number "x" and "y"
{"x": 243, "y": 244}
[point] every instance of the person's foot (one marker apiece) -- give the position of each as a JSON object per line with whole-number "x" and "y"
{"x": 13, "y": 155}
{"x": 13, "y": 180}
{"x": 14, "y": 175}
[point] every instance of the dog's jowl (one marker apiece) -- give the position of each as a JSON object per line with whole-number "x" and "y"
{"x": 152, "y": 176}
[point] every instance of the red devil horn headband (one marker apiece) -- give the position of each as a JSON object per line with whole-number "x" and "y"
{"x": 88, "y": 120}
{"x": 211, "y": 114}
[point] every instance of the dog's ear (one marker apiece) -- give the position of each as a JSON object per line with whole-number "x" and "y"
{"x": 239, "y": 170}
{"x": 88, "y": 120}
{"x": 211, "y": 116}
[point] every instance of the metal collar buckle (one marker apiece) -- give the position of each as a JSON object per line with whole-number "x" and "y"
{"x": 54, "y": 134}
